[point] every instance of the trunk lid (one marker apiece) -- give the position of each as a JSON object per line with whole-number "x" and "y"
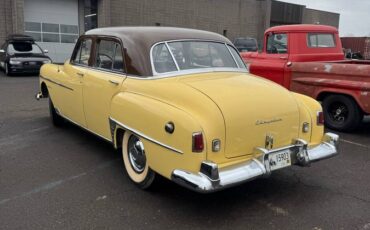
{"x": 252, "y": 109}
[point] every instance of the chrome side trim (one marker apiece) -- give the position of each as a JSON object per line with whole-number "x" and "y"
{"x": 188, "y": 72}
{"x": 75, "y": 123}
{"x": 145, "y": 136}
{"x": 211, "y": 178}
{"x": 56, "y": 83}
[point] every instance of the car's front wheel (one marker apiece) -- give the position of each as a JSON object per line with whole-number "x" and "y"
{"x": 56, "y": 119}
{"x": 341, "y": 113}
{"x": 7, "y": 70}
{"x": 135, "y": 161}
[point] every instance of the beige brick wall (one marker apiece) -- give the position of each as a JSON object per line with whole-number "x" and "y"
{"x": 311, "y": 16}
{"x": 238, "y": 17}
{"x": 11, "y": 18}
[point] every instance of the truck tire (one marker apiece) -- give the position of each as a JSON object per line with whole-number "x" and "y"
{"x": 56, "y": 119}
{"x": 341, "y": 113}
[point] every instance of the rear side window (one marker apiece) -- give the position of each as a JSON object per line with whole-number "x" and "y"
{"x": 83, "y": 54}
{"x": 320, "y": 40}
{"x": 109, "y": 56}
{"x": 162, "y": 59}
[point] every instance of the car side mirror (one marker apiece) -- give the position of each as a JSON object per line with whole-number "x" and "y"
{"x": 2, "y": 51}
{"x": 46, "y": 51}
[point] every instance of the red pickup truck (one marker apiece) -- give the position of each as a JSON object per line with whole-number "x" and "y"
{"x": 309, "y": 59}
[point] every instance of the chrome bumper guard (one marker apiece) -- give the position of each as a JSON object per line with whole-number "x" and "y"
{"x": 211, "y": 179}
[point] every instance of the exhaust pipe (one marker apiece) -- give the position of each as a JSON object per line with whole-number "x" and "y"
{"x": 38, "y": 96}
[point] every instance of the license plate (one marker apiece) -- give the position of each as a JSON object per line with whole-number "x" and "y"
{"x": 279, "y": 160}
{"x": 32, "y": 63}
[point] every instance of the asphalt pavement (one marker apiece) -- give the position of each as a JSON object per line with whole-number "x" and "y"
{"x": 66, "y": 178}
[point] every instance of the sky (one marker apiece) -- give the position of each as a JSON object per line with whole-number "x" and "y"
{"x": 354, "y": 14}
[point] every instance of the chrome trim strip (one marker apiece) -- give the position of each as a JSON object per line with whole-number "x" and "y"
{"x": 75, "y": 123}
{"x": 228, "y": 48}
{"x": 173, "y": 56}
{"x": 188, "y": 72}
{"x": 56, "y": 83}
{"x": 145, "y": 136}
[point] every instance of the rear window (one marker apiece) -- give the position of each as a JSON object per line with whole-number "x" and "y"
{"x": 23, "y": 47}
{"x": 320, "y": 40}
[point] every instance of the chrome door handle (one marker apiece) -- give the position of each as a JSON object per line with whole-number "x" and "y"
{"x": 114, "y": 82}
{"x": 80, "y": 74}
{"x": 284, "y": 58}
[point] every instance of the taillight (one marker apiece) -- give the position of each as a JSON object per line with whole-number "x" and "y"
{"x": 198, "y": 144}
{"x": 320, "y": 118}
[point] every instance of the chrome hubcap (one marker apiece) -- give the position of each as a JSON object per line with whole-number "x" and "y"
{"x": 339, "y": 112}
{"x": 136, "y": 154}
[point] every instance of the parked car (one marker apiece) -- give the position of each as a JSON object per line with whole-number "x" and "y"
{"x": 246, "y": 44}
{"x": 180, "y": 103}
{"x": 309, "y": 59}
{"x": 20, "y": 54}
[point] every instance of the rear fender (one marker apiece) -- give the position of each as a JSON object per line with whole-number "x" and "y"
{"x": 308, "y": 109}
{"x": 147, "y": 117}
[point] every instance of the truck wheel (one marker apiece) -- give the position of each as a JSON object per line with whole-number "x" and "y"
{"x": 134, "y": 159}
{"x": 341, "y": 113}
{"x": 56, "y": 119}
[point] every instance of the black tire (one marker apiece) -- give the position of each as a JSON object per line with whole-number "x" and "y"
{"x": 7, "y": 70}
{"x": 56, "y": 119}
{"x": 142, "y": 176}
{"x": 341, "y": 113}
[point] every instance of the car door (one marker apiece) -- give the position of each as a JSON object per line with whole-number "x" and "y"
{"x": 101, "y": 83}
{"x": 71, "y": 101}
{"x": 272, "y": 62}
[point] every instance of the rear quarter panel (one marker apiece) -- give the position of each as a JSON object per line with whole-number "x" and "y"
{"x": 149, "y": 116}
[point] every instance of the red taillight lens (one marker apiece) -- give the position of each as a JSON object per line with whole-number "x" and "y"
{"x": 320, "y": 118}
{"x": 198, "y": 144}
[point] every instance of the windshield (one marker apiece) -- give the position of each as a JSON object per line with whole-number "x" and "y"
{"x": 23, "y": 47}
{"x": 190, "y": 55}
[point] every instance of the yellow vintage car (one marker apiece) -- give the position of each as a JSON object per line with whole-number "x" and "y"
{"x": 181, "y": 103}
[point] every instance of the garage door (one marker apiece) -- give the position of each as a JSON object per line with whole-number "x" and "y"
{"x": 54, "y": 25}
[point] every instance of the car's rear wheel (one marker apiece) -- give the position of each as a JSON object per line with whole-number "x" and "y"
{"x": 341, "y": 113}
{"x": 56, "y": 119}
{"x": 135, "y": 161}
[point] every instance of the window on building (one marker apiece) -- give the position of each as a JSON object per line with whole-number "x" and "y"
{"x": 83, "y": 54}
{"x": 277, "y": 44}
{"x": 51, "y": 32}
{"x": 320, "y": 40}
{"x": 91, "y": 14}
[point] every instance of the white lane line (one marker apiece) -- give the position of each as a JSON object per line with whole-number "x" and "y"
{"x": 366, "y": 226}
{"x": 57, "y": 183}
{"x": 354, "y": 143}
{"x": 277, "y": 210}
{"x": 14, "y": 139}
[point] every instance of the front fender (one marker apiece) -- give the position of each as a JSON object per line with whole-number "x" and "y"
{"x": 147, "y": 118}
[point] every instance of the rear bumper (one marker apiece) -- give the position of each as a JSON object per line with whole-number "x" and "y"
{"x": 210, "y": 178}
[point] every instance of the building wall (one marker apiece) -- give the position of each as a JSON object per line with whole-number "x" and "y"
{"x": 11, "y": 18}
{"x": 58, "y": 13}
{"x": 311, "y": 16}
{"x": 234, "y": 17}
